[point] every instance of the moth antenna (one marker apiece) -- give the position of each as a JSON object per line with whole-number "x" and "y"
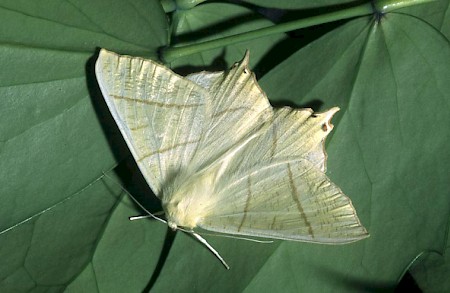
{"x": 240, "y": 238}
{"x": 137, "y": 202}
{"x": 203, "y": 240}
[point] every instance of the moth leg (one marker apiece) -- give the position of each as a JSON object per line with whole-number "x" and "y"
{"x": 160, "y": 213}
{"x": 203, "y": 240}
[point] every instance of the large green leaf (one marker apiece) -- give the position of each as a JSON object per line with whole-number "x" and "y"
{"x": 63, "y": 228}
{"x": 391, "y": 82}
{"x": 390, "y": 79}
{"x": 52, "y": 144}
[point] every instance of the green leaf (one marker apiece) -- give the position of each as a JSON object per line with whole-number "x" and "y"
{"x": 83, "y": 25}
{"x": 431, "y": 270}
{"x": 390, "y": 81}
{"x": 50, "y": 249}
{"x": 387, "y": 154}
{"x": 64, "y": 228}
{"x": 436, "y": 14}
{"x": 52, "y": 142}
{"x": 125, "y": 256}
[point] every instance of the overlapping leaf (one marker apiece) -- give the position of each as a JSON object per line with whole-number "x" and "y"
{"x": 389, "y": 151}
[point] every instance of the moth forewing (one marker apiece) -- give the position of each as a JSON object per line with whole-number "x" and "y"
{"x": 149, "y": 102}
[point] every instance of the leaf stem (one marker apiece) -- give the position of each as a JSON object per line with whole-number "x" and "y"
{"x": 168, "y": 54}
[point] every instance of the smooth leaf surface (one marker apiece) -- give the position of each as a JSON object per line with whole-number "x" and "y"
{"x": 436, "y": 14}
{"x": 431, "y": 270}
{"x": 385, "y": 131}
{"x": 389, "y": 152}
{"x": 47, "y": 251}
{"x": 84, "y": 26}
{"x": 52, "y": 144}
{"x": 125, "y": 256}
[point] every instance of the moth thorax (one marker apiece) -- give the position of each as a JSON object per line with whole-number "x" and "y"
{"x": 185, "y": 204}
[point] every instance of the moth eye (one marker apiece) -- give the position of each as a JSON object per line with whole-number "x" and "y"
{"x": 245, "y": 70}
{"x": 172, "y": 226}
{"x": 325, "y": 127}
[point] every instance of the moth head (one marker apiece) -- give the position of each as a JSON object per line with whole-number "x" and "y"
{"x": 172, "y": 225}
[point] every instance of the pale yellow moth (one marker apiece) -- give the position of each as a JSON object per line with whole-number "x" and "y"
{"x": 221, "y": 158}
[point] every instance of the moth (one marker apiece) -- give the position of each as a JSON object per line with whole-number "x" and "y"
{"x": 221, "y": 158}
